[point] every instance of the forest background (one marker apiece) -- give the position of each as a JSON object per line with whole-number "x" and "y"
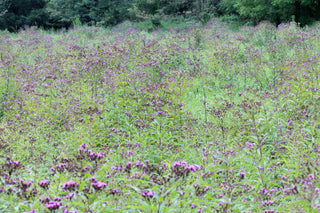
{"x": 57, "y": 14}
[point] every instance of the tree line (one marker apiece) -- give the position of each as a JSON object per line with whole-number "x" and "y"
{"x": 56, "y": 14}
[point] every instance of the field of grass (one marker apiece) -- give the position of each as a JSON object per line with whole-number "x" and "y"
{"x": 194, "y": 119}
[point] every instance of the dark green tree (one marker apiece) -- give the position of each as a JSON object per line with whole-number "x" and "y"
{"x": 302, "y": 11}
{"x": 15, "y": 14}
{"x": 276, "y": 11}
{"x": 23, "y": 12}
{"x": 4, "y": 5}
{"x": 62, "y": 12}
{"x": 256, "y": 11}
{"x": 111, "y": 12}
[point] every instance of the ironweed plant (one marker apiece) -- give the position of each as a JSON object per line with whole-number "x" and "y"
{"x": 202, "y": 119}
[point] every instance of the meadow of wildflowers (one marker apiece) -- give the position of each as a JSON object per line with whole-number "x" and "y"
{"x": 197, "y": 119}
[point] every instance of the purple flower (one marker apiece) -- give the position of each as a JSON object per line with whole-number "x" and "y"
{"x": 207, "y": 188}
{"x": 44, "y": 200}
{"x": 242, "y": 173}
{"x": 150, "y": 194}
{"x": 176, "y": 164}
{"x": 70, "y": 195}
{"x": 57, "y": 199}
{"x": 92, "y": 179}
{"x": 25, "y": 184}
{"x": 250, "y": 145}
{"x": 193, "y": 168}
{"x": 100, "y": 155}
{"x": 311, "y": 176}
{"x": 67, "y": 211}
{"x": 53, "y": 205}
{"x": 114, "y": 191}
{"x": 44, "y": 184}
{"x": 98, "y": 185}
{"x": 70, "y": 186}
{"x": 147, "y": 194}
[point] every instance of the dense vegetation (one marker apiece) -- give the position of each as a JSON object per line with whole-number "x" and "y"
{"x": 194, "y": 119}
{"x": 15, "y": 14}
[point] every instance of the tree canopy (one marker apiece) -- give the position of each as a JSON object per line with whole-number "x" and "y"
{"x": 15, "y": 14}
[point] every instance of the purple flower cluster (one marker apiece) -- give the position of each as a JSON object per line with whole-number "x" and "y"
{"x": 93, "y": 156}
{"x": 70, "y": 186}
{"x": 11, "y": 166}
{"x": 242, "y": 174}
{"x": 267, "y": 203}
{"x": 138, "y": 164}
{"x": 201, "y": 190}
{"x": 53, "y": 205}
{"x": 114, "y": 191}
{"x": 98, "y": 185}
{"x": 147, "y": 194}
{"x": 44, "y": 184}
{"x": 70, "y": 195}
{"x": 69, "y": 211}
{"x": 181, "y": 169}
{"x": 44, "y": 200}
{"x": 25, "y": 184}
